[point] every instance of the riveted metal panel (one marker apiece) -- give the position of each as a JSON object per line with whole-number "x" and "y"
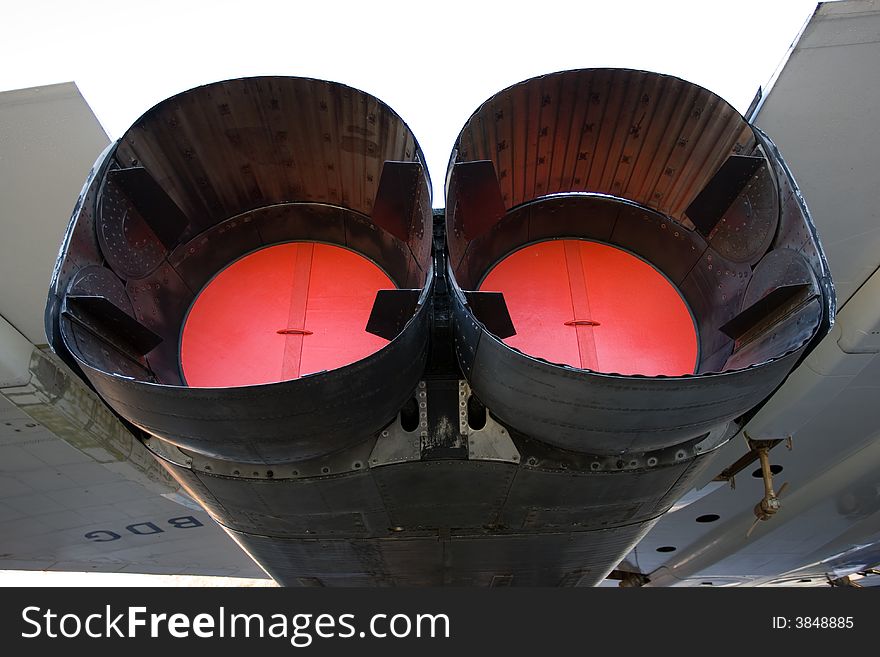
{"x": 432, "y": 494}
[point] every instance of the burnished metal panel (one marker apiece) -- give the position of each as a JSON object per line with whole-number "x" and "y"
{"x": 161, "y": 301}
{"x": 394, "y": 207}
{"x": 228, "y": 147}
{"x": 79, "y": 249}
{"x": 603, "y": 413}
{"x": 346, "y": 505}
{"x": 89, "y": 334}
{"x": 293, "y": 221}
{"x": 433, "y": 494}
{"x": 328, "y": 562}
{"x": 780, "y": 269}
{"x": 204, "y": 256}
{"x": 592, "y": 217}
{"x": 792, "y": 232}
{"x": 479, "y": 204}
{"x": 553, "y": 520}
{"x": 659, "y": 240}
{"x": 747, "y": 227}
{"x": 553, "y": 559}
{"x": 580, "y": 500}
{"x": 714, "y": 289}
{"x": 130, "y": 246}
{"x": 389, "y": 253}
{"x": 277, "y": 422}
{"x": 503, "y": 238}
{"x": 652, "y": 138}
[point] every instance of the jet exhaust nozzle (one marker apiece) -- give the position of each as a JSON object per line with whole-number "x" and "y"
{"x": 222, "y": 264}
{"x": 661, "y": 271}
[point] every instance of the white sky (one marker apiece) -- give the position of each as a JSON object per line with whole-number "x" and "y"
{"x": 433, "y": 62}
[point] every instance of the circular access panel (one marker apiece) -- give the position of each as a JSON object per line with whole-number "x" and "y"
{"x": 280, "y": 313}
{"x": 595, "y": 307}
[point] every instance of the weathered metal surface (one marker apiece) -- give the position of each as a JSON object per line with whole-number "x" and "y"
{"x": 445, "y": 457}
{"x": 618, "y": 157}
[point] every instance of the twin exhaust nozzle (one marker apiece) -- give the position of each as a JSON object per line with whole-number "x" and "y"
{"x": 241, "y": 234}
{"x": 360, "y": 389}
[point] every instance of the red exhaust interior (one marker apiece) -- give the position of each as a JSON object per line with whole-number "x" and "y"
{"x": 280, "y": 313}
{"x": 596, "y": 307}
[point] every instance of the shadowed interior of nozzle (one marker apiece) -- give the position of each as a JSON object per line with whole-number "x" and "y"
{"x": 654, "y": 166}
{"x": 218, "y": 172}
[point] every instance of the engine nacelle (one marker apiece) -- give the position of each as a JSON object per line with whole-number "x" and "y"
{"x": 203, "y": 287}
{"x": 659, "y": 265}
{"x": 361, "y": 391}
